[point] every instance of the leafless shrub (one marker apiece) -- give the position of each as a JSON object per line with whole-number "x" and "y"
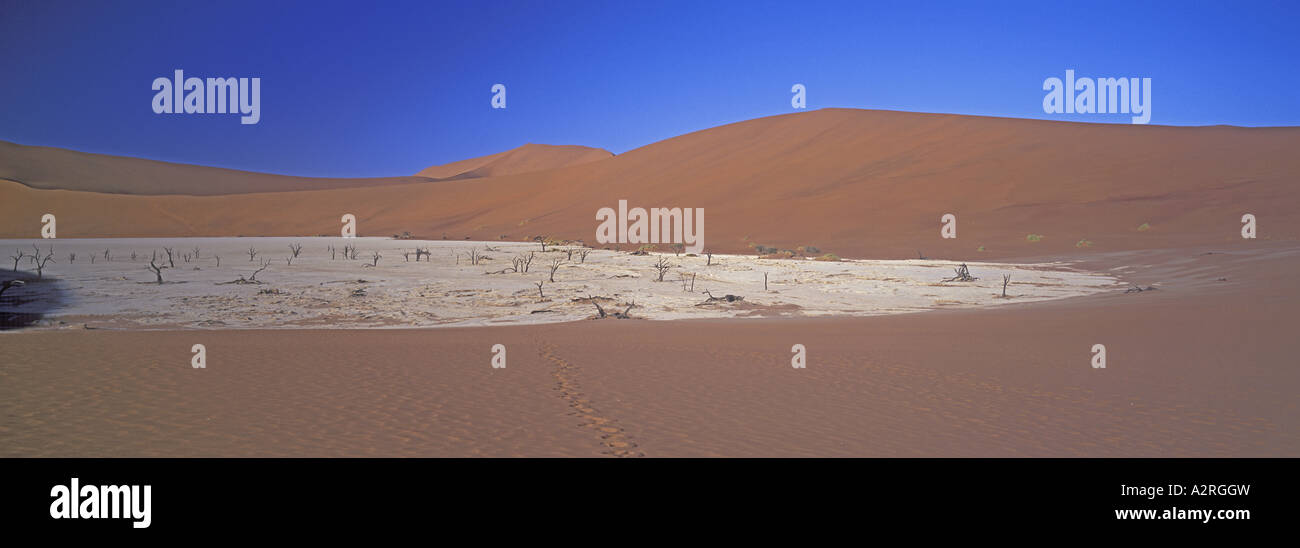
{"x": 331, "y": 250}
{"x": 473, "y": 256}
{"x": 196, "y": 253}
{"x": 963, "y": 275}
{"x": 295, "y": 248}
{"x": 539, "y": 289}
{"x": 555, "y": 265}
{"x": 374, "y": 258}
{"x": 582, "y": 255}
{"x": 252, "y": 254}
{"x": 72, "y": 258}
{"x": 662, "y": 267}
{"x": 709, "y": 255}
{"x": 108, "y": 257}
{"x": 17, "y": 258}
{"x": 427, "y": 255}
{"x": 171, "y": 261}
{"x": 1006, "y": 279}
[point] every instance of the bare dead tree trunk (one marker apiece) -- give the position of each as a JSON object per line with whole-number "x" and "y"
{"x": 157, "y": 270}
{"x": 295, "y": 248}
{"x": 539, "y": 289}
{"x": 17, "y": 258}
{"x": 252, "y": 253}
{"x": 555, "y": 265}
{"x": 1006, "y": 279}
{"x": 171, "y": 261}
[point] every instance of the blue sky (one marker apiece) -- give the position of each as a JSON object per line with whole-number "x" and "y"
{"x": 386, "y": 88}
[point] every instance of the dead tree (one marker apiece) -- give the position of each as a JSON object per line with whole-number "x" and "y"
{"x": 17, "y": 258}
{"x": 555, "y": 265}
{"x": 265, "y": 263}
{"x": 374, "y": 258}
{"x": 196, "y": 252}
{"x": 1006, "y": 279}
{"x": 727, "y": 298}
{"x": 108, "y": 257}
{"x": 688, "y": 284}
{"x": 218, "y": 257}
{"x": 331, "y": 250}
{"x": 40, "y": 262}
{"x": 709, "y": 255}
{"x": 186, "y": 257}
{"x": 963, "y": 275}
{"x": 252, "y": 254}
{"x": 288, "y": 261}
{"x": 473, "y": 256}
{"x": 133, "y": 255}
{"x": 582, "y": 255}
{"x": 764, "y": 281}
{"x": 171, "y": 261}
{"x": 72, "y": 258}
{"x": 92, "y": 259}
{"x": 10, "y": 283}
{"x": 521, "y": 263}
{"x": 539, "y": 289}
{"x": 599, "y": 309}
{"x": 156, "y": 268}
{"x": 296, "y": 248}
{"x": 662, "y": 267}
{"x": 678, "y": 248}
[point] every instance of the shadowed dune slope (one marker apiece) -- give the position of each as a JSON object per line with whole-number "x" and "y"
{"x": 852, "y": 182}
{"x": 56, "y": 168}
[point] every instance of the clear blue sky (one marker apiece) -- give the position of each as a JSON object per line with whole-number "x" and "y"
{"x": 387, "y": 88}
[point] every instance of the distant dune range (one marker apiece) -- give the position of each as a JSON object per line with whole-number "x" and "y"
{"x": 857, "y": 183}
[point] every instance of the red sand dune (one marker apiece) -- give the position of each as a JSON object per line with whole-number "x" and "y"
{"x": 528, "y": 158}
{"x": 852, "y": 182}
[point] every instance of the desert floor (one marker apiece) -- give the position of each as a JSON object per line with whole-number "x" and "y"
{"x": 1204, "y": 366}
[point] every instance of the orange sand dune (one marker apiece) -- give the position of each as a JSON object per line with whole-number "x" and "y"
{"x": 851, "y": 182}
{"x": 528, "y": 158}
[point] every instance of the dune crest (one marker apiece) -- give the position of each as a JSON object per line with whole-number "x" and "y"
{"x": 524, "y": 159}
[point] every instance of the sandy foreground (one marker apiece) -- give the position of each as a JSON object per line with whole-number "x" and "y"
{"x": 221, "y": 282}
{"x": 1200, "y": 367}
